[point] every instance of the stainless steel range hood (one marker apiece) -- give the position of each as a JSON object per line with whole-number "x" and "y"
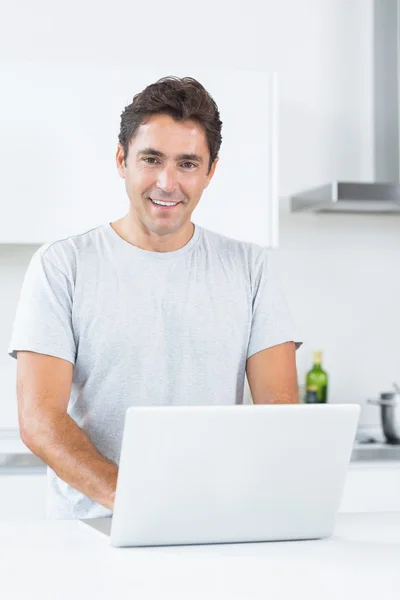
{"x": 349, "y": 197}
{"x": 383, "y": 195}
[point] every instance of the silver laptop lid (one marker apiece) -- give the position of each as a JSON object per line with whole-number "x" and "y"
{"x": 212, "y": 474}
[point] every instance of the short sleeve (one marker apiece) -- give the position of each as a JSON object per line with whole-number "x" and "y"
{"x": 43, "y": 320}
{"x": 272, "y": 322}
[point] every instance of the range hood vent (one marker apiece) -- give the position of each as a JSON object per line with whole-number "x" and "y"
{"x": 349, "y": 197}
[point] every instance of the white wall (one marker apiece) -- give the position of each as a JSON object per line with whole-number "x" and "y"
{"x": 340, "y": 273}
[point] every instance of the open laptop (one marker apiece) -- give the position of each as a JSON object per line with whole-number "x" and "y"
{"x": 219, "y": 474}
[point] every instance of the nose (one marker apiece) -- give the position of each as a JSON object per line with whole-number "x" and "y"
{"x": 167, "y": 179}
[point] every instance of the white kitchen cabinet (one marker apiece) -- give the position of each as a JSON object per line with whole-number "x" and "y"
{"x": 69, "y": 130}
{"x": 22, "y": 497}
{"x": 372, "y": 486}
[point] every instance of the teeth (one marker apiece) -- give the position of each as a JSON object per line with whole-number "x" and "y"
{"x": 164, "y": 203}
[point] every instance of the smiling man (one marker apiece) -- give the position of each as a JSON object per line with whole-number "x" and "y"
{"x": 151, "y": 309}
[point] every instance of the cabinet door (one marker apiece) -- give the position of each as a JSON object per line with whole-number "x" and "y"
{"x": 60, "y": 126}
{"x": 22, "y": 497}
{"x": 371, "y": 487}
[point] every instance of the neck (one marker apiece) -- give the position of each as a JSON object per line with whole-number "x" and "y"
{"x": 135, "y": 233}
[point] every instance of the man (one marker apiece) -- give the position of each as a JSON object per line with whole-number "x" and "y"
{"x": 149, "y": 310}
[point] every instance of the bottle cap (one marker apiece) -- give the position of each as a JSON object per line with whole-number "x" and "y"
{"x": 318, "y": 356}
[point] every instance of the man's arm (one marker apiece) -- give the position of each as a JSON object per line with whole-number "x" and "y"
{"x": 272, "y": 375}
{"x": 43, "y": 390}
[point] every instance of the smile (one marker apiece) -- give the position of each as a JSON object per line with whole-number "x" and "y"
{"x": 164, "y": 205}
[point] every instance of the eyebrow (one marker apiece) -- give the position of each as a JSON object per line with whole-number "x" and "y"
{"x": 154, "y": 152}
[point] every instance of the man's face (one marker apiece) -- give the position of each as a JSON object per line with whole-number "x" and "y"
{"x": 167, "y": 161}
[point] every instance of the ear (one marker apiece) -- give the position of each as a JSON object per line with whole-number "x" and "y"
{"x": 211, "y": 173}
{"x": 119, "y": 157}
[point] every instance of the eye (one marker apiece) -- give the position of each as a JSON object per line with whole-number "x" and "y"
{"x": 149, "y": 158}
{"x": 190, "y": 163}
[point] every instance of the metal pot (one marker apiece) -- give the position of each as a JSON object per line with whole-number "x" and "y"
{"x": 390, "y": 415}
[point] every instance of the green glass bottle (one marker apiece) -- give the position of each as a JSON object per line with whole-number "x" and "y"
{"x": 311, "y": 395}
{"x": 317, "y": 376}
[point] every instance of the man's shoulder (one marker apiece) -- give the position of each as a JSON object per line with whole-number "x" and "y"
{"x": 64, "y": 253}
{"x": 250, "y": 253}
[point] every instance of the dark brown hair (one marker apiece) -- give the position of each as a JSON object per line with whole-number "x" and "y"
{"x": 183, "y": 99}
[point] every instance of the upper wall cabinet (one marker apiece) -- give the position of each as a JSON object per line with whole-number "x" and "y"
{"x": 59, "y": 133}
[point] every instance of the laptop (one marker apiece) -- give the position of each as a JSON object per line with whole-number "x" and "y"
{"x": 226, "y": 474}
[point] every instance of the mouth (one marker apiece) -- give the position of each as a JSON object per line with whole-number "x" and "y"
{"x": 165, "y": 207}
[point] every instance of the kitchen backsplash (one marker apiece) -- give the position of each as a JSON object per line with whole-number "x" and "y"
{"x": 341, "y": 276}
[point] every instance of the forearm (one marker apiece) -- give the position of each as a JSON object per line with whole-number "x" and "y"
{"x": 68, "y": 451}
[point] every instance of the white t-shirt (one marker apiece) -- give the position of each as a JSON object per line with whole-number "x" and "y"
{"x": 146, "y": 328}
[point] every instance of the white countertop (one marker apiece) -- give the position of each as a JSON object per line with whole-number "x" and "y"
{"x": 57, "y": 560}
{"x": 11, "y": 443}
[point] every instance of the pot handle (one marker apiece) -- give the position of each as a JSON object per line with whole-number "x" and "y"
{"x": 381, "y": 402}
